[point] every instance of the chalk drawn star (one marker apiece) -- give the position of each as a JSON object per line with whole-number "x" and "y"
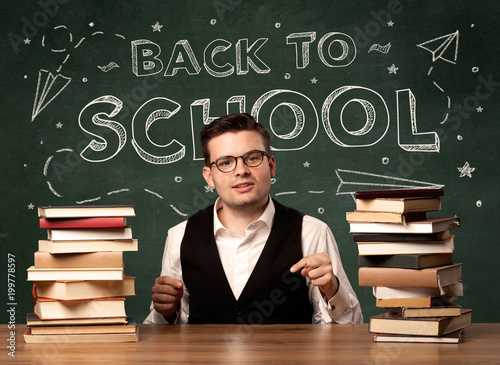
{"x": 59, "y": 125}
{"x": 157, "y": 27}
{"x": 466, "y": 170}
{"x": 390, "y": 23}
{"x": 307, "y": 164}
{"x": 393, "y": 69}
{"x": 27, "y": 41}
{"x": 479, "y": 109}
{"x": 314, "y": 80}
{"x": 31, "y": 206}
{"x": 208, "y": 189}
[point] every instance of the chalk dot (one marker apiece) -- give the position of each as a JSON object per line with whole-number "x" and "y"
{"x": 25, "y": 165}
{"x": 459, "y": 137}
{"x": 472, "y": 25}
{"x": 385, "y": 160}
{"x": 213, "y": 21}
{"x": 321, "y": 210}
{"x": 178, "y": 179}
{"x": 277, "y": 25}
{"x": 475, "y": 69}
{"x": 25, "y": 77}
{"x": 288, "y": 76}
{"x": 479, "y": 203}
{"x": 85, "y": 79}
{"x": 273, "y": 180}
{"x": 91, "y": 24}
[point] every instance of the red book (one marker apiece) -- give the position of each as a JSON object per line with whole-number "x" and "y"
{"x": 98, "y": 222}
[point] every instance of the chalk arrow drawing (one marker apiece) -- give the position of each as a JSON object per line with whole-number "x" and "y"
{"x": 352, "y": 181}
{"x": 439, "y": 46}
{"x": 46, "y": 93}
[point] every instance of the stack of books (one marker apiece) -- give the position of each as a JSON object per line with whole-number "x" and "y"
{"x": 407, "y": 258}
{"x": 79, "y": 286}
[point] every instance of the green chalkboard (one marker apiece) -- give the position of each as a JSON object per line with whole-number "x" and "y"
{"x": 102, "y": 103}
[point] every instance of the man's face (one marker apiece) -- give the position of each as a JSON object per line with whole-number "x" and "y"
{"x": 245, "y": 187}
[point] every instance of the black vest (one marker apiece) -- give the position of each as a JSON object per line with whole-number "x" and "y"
{"x": 271, "y": 295}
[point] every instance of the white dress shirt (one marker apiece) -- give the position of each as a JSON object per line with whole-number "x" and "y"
{"x": 239, "y": 255}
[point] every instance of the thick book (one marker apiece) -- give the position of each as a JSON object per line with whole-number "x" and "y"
{"x": 399, "y": 237}
{"x": 85, "y": 289}
{"x": 46, "y": 260}
{"x": 128, "y": 327}
{"x": 32, "y": 320}
{"x": 384, "y": 217}
{"x": 452, "y": 337}
{"x": 399, "y": 205}
{"x": 451, "y": 310}
{"x": 429, "y": 326}
{"x": 431, "y": 277}
{"x": 415, "y": 261}
{"x": 89, "y": 234}
{"x": 85, "y": 211}
{"x": 446, "y": 246}
{"x": 47, "y": 308}
{"x": 429, "y": 225}
{"x": 80, "y": 273}
{"x": 82, "y": 338}
{"x": 58, "y": 247}
{"x": 92, "y": 222}
{"x": 399, "y": 193}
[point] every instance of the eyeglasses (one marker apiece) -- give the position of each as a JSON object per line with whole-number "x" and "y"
{"x": 227, "y": 164}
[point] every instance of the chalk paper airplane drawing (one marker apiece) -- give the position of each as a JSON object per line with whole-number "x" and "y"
{"x": 352, "y": 181}
{"x": 46, "y": 93}
{"x": 443, "y": 48}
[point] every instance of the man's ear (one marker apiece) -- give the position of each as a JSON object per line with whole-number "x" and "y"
{"x": 272, "y": 166}
{"x": 207, "y": 175}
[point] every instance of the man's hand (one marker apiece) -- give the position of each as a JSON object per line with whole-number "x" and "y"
{"x": 166, "y": 294}
{"x": 318, "y": 268}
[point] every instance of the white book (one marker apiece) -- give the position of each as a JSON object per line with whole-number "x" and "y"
{"x": 452, "y": 290}
{"x": 111, "y": 273}
{"x": 401, "y": 248}
{"x": 84, "y": 234}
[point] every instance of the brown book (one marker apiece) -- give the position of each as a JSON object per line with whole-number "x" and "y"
{"x": 46, "y": 308}
{"x": 399, "y": 193}
{"x": 429, "y": 326}
{"x": 451, "y": 310}
{"x": 128, "y": 327}
{"x": 32, "y": 320}
{"x": 399, "y": 205}
{"x": 82, "y": 338}
{"x": 452, "y": 337}
{"x": 85, "y": 289}
{"x": 384, "y": 217}
{"x": 432, "y": 277}
{"x": 45, "y": 259}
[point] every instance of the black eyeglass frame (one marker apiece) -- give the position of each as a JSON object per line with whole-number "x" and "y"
{"x": 243, "y": 158}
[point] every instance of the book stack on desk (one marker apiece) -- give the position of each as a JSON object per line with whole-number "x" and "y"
{"x": 407, "y": 258}
{"x": 79, "y": 286}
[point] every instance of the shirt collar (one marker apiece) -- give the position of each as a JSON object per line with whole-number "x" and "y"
{"x": 267, "y": 217}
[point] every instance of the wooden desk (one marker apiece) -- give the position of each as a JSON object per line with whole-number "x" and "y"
{"x": 272, "y": 344}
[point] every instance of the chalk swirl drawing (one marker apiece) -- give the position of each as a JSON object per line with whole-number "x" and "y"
{"x": 108, "y": 67}
{"x": 382, "y": 49}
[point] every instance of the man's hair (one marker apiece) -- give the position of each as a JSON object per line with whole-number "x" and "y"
{"x": 232, "y": 123}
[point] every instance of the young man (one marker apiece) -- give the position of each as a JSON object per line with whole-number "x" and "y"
{"x": 248, "y": 259}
